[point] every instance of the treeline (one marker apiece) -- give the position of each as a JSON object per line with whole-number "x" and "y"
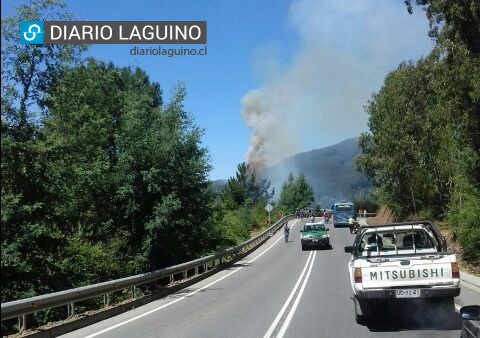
{"x": 100, "y": 177}
{"x": 109, "y": 182}
{"x": 240, "y": 206}
{"x": 423, "y": 148}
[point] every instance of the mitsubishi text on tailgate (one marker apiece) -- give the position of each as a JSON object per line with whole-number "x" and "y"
{"x": 396, "y": 261}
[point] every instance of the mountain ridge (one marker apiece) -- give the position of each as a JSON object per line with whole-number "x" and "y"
{"x": 330, "y": 171}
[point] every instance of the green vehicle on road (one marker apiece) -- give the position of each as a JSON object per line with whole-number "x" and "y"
{"x": 315, "y": 235}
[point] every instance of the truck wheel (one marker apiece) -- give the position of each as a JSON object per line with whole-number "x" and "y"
{"x": 361, "y": 320}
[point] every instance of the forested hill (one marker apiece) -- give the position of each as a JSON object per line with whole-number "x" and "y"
{"x": 329, "y": 170}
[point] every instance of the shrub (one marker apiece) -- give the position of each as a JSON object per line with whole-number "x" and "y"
{"x": 465, "y": 218}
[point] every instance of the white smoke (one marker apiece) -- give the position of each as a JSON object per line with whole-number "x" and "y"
{"x": 346, "y": 48}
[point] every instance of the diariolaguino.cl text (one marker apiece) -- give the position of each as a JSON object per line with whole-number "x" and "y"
{"x": 168, "y": 52}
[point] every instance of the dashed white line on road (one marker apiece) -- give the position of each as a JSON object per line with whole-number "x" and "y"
{"x": 261, "y": 254}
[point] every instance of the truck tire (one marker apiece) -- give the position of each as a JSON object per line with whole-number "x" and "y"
{"x": 361, "y": 319}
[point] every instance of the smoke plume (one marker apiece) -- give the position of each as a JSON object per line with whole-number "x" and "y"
{"x": 345, "y": 49}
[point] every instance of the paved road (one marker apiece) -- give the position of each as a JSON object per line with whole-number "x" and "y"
{"x": 278, "y": 290}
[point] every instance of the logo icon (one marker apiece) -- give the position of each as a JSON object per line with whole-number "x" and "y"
{"x": 31, "y": 32}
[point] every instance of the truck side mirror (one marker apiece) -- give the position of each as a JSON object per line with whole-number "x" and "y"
{"x": 301, "y": 230}
{"x": 471, "y": 312}
{"x": 348, "y": 249}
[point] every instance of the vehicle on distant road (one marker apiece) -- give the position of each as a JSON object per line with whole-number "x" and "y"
{"x": 394, "y": 262}
{"x": 315, "y": 235}
{"x": 342, "y": 211}
{"x": 354, "y": 226}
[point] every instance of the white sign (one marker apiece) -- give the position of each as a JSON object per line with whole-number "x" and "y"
{"x": 269, "y": 207}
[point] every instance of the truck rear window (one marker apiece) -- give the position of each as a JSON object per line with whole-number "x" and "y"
{"x": 392, "y": 242}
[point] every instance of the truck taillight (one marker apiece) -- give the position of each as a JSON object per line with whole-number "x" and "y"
{"x": 357, "y": 274}
{"x": 455, "y": 270}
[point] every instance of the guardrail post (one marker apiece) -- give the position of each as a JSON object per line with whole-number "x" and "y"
{"x": 134, "y": 289}
{"x": 185, "y": 274}
{"x": 171, "y": 280}
{"x": 22, "y": 323}
{"x": 106, "y": 299}
{"x": 70, "y": 309}
{"x": 196, "y": 270}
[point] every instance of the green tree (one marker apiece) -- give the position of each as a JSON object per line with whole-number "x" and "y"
{"x": 123, "y": 160}
{"x": 245, "y": 189}
{"x": 29, "y": 240}
{"x": 240, "y": 207}
{"x": 423, "y": 149}
{"x": 123, "y": 179}
{"x": 296, "y": 193}
{"x": 452, "y": 21}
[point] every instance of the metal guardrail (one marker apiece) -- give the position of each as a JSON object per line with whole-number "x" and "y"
{"x": 368, "y": 214}
{"x": 21, "y": 308}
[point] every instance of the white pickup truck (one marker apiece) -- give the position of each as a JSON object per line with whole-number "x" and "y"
{"x": 399, "y": 261}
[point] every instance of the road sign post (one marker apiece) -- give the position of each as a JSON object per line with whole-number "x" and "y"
{"x": 269, "y": 208}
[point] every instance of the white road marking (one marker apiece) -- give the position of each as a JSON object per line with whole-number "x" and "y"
{"x": 261, "y": 254}
{"x": 287, "y": 302}
{"x": 282, "y": 331}
{"x": 185, "y": 296}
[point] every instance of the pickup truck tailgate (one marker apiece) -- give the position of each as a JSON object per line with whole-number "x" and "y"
{"x": 408, "y": 272}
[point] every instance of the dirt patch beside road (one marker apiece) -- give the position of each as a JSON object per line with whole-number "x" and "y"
{"x": 384, "y": 216}
{"x": 454, "y": 246}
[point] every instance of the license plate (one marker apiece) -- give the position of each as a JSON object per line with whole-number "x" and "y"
{"x": 407, "y": 293}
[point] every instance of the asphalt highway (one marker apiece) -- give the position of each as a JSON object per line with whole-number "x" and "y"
{"x": 277, "y": 291}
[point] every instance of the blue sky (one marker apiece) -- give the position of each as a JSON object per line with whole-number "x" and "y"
{"x": 277, "y": 46}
